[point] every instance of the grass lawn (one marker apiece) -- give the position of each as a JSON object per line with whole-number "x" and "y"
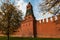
{"x": 17, "y": 38}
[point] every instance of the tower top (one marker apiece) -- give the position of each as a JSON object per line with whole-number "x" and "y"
{"x": 29, "y": 10}
{"x": 29, "y": 6}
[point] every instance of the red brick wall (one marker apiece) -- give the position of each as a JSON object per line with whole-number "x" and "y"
{"x": 26, "y": 29}
{"x": 48, "y": 29}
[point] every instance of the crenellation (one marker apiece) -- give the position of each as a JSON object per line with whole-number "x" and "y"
{"x": 53, "y": 18}
{"x": 39, "y": 21}
{"x": 56, "y": 18}
{"x": 43, "y": 20}
{"x": 49, "y": 19}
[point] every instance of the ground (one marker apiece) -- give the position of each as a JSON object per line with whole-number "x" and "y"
{"x": 17, "y": 38}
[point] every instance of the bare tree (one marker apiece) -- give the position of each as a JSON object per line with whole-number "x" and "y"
{"x": 10, "y": 19}
{"x": 51, "y": 6}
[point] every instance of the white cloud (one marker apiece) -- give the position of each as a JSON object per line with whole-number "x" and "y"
{"x": 21, "y": 5}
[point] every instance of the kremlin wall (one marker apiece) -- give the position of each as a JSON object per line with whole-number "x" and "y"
{"x": 44, "y": 28}
{"x": 49, "y": 28}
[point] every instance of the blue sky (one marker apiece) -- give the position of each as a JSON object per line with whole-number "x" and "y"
{"x": 35, "y": 3}
{"x": 21, "y": 5}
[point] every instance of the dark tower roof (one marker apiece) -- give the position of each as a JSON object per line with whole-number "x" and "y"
{"x": 29, "y": 3}
{"x": 29, "y": 10}
{"x": 29, "y": 6}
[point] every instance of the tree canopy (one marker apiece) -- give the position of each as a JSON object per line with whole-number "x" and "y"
{"x": 10, "y": 18}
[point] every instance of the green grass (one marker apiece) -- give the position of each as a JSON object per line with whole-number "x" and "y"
{"x": 17, "y": 38}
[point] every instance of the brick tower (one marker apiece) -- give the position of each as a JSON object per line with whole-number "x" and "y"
{"x": 30, "y": 17}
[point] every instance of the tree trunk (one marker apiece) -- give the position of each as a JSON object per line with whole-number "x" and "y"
{"x": 7, "y": 36}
